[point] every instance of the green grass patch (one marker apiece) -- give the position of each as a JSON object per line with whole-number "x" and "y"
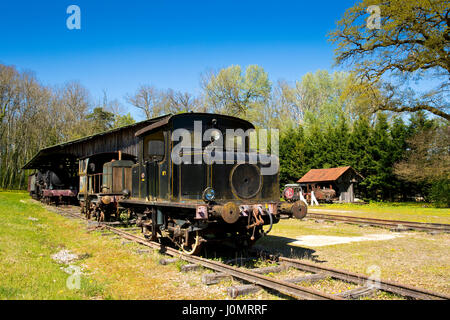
{"x": 112, "y": 268}
{"x": 26, "y": 245}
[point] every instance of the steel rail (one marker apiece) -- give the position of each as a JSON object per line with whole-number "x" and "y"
{"x": 389, "y": 286}
{"x": 423, "y": 226}
{"x": 281, "y": 286}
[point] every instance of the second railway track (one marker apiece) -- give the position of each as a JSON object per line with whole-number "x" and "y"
{"x": 399, "y": 224}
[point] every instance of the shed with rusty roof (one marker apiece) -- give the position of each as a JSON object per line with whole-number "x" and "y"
{"x": 342, "y": 179}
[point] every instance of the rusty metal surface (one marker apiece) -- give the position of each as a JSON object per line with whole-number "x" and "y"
{"x": 296, "y": 209}
{"x": 324, "y": 175}
{"x": 59, "y": 193}
{"x": 324, "y": 194}
{"x": 299, "y": 210}
{"x": 230, "y": 212}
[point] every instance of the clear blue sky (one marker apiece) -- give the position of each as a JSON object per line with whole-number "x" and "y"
{"x": 123, "y": 44}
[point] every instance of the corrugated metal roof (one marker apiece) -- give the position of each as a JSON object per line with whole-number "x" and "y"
{"x": 153, "y": 126}
{"x": 63, "y": 148}
{"x": 319, "y": 175}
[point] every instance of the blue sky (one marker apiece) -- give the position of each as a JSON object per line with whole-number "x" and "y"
{"x": 123, "y": 44}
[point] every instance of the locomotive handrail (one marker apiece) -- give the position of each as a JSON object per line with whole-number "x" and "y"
{"x": 94, "y": 185}
{"x": 271, "y": 224}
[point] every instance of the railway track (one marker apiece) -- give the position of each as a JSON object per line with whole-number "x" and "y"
{"x": 286, "y": 287}
{"x": 281, "y": 286}
{"x": 388, "y": 286}
{"x": 398, "y": 224}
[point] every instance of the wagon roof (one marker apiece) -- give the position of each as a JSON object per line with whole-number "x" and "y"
{"x": 325, "y": 175}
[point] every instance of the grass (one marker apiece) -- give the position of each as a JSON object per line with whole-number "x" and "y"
{"x": 419, "y": 212}
{"x": 27, "y": 270}
{"x": 113, "y": 269}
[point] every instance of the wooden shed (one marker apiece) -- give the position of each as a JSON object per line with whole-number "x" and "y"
{"x": 343, "y": 180}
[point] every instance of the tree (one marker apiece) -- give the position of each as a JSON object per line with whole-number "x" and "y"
{"x": 72, "y": 104}
{"x": 9, "y": 80}
{"x": 411, "y": 44}
{"x": 428, "y": 157}
{"x": 321, "y": 98}
{"x": 229, "y": 91}
{"x": 148, "y": 99}
{"x": 283, "y": 109}
{"x": 379, "y": 183}
{"x": 34, "y": 116}
{"x": 123, "y": 120}
{"x": 177, "y": 101}
{"x": 359, "y": 149}
{"x": 292, "y": 157}
{"x": 336, "y": 142}
{"x": 440, "y": 193}
{"x": 101, "y": 120}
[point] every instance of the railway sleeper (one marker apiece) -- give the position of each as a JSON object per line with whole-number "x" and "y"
{"x": 190, "y": 267}
{"x": 358, "y": 292}
{"x": 236, "y": 291}
{"x": 271, "y": 269}
{"x": 400, "y": 228}
{"x": 165, "y": 262}
{"x": 214, "y": 278}
{"x": 246, "y": 289}
{"x": 308, "y": 278}
{"x": 240, "y": 261}
{"x": 142, "y": 251}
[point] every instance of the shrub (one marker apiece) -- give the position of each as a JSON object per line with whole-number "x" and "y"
{"x": 440, "y": 193}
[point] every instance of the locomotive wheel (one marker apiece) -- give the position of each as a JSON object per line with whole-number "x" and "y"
{"x": 195, "y": 245}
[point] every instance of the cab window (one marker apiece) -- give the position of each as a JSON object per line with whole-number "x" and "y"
{"x": 154, "y": 147}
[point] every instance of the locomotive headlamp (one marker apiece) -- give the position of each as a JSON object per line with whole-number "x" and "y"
{"x": 209, "y": 194}
{"x": 215, "y": 135}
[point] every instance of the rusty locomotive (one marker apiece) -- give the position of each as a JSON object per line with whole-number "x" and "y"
{"x": 189, "y": 201}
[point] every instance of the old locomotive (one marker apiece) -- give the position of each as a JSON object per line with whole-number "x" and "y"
{"x": 189, "y": 202}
